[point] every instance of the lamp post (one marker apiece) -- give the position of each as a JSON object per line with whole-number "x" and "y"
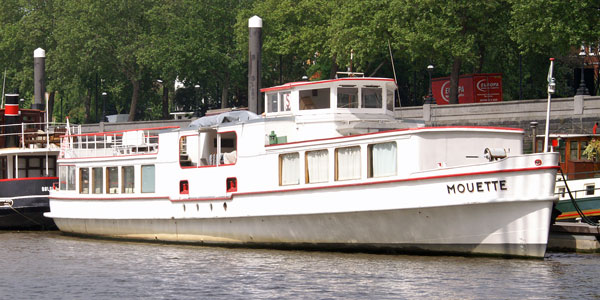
{"x": 429, "y": 99}
{"x": 104, "y": 94}
{"x": 196, "y": 89}
{"x": 582, "y": 90}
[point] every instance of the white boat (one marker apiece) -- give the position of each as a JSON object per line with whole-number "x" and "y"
{"x": 326, "y": 167}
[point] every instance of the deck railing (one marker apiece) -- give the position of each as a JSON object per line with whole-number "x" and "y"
{"x": 115, "y": 143}
{"x": 32, "y": 135}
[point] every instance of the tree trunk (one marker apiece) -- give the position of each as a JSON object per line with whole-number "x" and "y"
{"x": 334, "y": 67}
{"x": 134, "y": 99}
{"x": 225, "y": 91}
{"x": 454, "y": 76}
{"x": 165, "y": 102}
{"x": 87, "y": 101}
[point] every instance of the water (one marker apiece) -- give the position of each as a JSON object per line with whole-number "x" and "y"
{"x": 49, "y": 265}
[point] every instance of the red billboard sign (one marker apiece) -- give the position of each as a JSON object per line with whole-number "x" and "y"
{"x": 472, "y": 88}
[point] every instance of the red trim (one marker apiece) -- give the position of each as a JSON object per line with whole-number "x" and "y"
{"x": 29, "y": 178}
{"x": 576, "y": 214}
{"x": 400, "y": 130}
{"x": 11, "y": 110}
{"x": 229, "y": 197}
{"x": 290, "y": 85}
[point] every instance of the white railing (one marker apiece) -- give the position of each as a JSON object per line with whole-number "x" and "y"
{"x": 31, "y": 135}
{"x": 116, "y": 143}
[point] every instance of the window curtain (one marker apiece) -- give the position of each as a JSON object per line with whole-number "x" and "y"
{"x": 348, "y": 163}
{"x": 317, "y": 166}
{"x": 384, "y": 159}
{"x": 290, "y": 167}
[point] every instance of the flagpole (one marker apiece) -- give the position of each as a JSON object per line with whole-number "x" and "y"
{"x": 551, "y": 89}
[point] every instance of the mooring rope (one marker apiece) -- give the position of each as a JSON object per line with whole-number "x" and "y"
{"x": 22, "y": 215}
{"x": 581, "y": 214}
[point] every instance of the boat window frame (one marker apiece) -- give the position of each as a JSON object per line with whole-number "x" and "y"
{"x": 308, "y": 180}
{"x": 124, "y": 180}
{"x": 298, "y": 168}
{"x": 108, "y": 182}
{"x": 95, "y": 179}
{"x": 142, "y": 179}
{"x": 370, "y": 160}
{"x": 83, "y": 189}
{"x": 337, "y": 163}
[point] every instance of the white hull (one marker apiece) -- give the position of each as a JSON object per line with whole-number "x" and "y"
{"x": 400, "y": 216}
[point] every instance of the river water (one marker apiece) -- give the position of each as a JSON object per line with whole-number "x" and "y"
{"x": 50, "y": 265}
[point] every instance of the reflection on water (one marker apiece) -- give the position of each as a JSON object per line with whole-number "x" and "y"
{"x": 50, "y": 265}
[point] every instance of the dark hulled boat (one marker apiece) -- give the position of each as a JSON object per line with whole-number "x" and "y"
{"x": 28, "y": 150}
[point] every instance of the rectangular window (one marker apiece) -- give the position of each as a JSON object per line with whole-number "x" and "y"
{"x": 128, "y": 179}
{"x": 574, "y": 150}
{"x": 71, "y": 178}
{"x": 314, "y": 99}
{"x": 347, "y": 163}
{"x": 148, "y": 179}
{"x": 285, "y": 102}
{"x": 272, "y": 102}
{"x": 589, "y": 189}
{"x": 112, "y": 180}
{"x": 382, "y": 159}
{"x": 389, "y": 99}
{"x": 97, "y": 180}
{"x": 317, "y": 163}
{"x": 347, "y": 97}
{"x": 84, "y": 181}
{"x": 289, "y": 169}
{"x": 3, "y": 168}
{"x": 62, "y": 178}
{"x": 371, "y": 97}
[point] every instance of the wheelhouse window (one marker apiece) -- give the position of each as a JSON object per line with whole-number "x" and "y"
{"x": 371, "y": 97}
{"x": 112, "y": 180}
{"x": 84, "y": 180}
{"x": 278, "y": 102}
{"x": 382, "y": 159}
{"x": 272, "y": 102}
{"x": 317, "y": 163}
{"x": 71, "y": 178}
{"x": 314, "y": 99}
{"x": 97, "y": 180}
{"x": 574, "y": 150}
{"x": 35, "y": 166}
{"x": 148, "y": 179}
{"x": 128, "y": 180}
{"x": 347, "y": 97}
{"x": 285, "y": 102}
{"x": 347, "y": 163}
{"x": 389, "y": 99}
{"x": 289, "y": 169}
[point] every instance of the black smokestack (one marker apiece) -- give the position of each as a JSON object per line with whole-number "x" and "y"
{"x": 39, "y": 73}
{"x": 254, "y": 62}
{"x": 11, "y": 117}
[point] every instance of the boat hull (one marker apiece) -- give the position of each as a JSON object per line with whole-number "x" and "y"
{"x": 520, "y": 229}
{"x": 24, "y": 202}
{"x": 590, "y": 206}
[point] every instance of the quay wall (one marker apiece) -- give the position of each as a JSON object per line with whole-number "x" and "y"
{"x": 575, "y": 115}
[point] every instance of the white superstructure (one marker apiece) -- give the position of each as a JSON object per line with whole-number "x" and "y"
{"x": 327, "y": 166}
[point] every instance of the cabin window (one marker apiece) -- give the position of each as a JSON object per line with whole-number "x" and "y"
{"x": 272, "y": 102}
{"x": 389, "y": 99}
{"x": 347, "y": 97}
{"x": 62, "y": 178}
{"x": 228, "y": 149}
{"x": 285, "y": 102}
{"x": 97, "y": 180}
{"x": 382, "y": 159}
{"x": 561, "y": 192}
{"x": 148, "y": 182}
{"x": 3, "y": 168}
{"x": 289, "y": 169}
{"x": 84, "y": 181}
{"x": 35, "y": 166}
{"x": 71, "y": 178}
{"x": 347, "y": 163}
{"x": 112, "y": 180}
{"x": 371, "y": 97}
{"x": 317, "y": 163}
{"x": 574, "y": 149}
{"x": 589, "y": 189}
{"x": 314, "y": 99}
{"x": 128, "y": 179}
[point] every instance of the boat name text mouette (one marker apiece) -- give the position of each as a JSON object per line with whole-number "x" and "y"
{"x": 479, "y": 186}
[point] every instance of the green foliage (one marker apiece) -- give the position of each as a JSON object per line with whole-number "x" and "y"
{"x": 592, "y": 150}
{"x": 123, "y": 47}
